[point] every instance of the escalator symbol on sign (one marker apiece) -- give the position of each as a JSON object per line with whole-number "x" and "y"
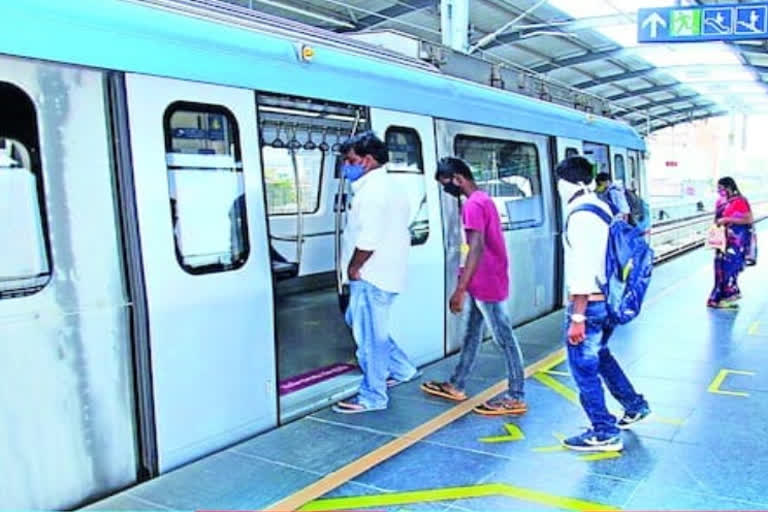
{"x": 717, "y": 22}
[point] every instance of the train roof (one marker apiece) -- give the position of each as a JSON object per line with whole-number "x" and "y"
{"x": 127, "y": 36}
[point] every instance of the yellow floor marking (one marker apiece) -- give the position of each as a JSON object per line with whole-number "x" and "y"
{"x": 557, "y": 386}
{"x": 351, "y": 470}
{"x": 367, "y": 461}
{"x": 753, "y": 328}
{"x": 454, "y": 493}
{"x": 548, "y": 449}
{"x": 513, "y": 434}
{"x": 601, "y": 456}
{"x": 714, "y": 387}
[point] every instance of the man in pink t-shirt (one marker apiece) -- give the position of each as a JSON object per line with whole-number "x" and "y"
{"x": 484, "y": 277}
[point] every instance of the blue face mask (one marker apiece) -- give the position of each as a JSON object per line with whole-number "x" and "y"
{"x": 352, "y": 172}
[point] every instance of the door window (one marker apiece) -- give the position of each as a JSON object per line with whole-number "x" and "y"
{"x": 205, "y": 183}
{"x": 25, "y": 263}
{"x": 509, "y": 172}
{"x": 406, "y": 165}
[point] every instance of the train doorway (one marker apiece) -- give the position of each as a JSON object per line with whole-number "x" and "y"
{"x": 300, "y": 141}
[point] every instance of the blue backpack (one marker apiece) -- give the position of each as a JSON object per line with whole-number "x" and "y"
{"x": 628, "y": 266}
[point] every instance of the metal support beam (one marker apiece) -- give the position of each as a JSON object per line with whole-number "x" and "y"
{"x": 666, "y": 115}
{"x": 641, "y": 73}
{"x": 666, "y": 124}
{"x": 580, "y": 59}
{"x": 454, "y": 24}
{"x": 654, "y": 104}
{"x": 643, "y": 92}
{"x": 487, "y": 39}
{"x": 400, "y": 8}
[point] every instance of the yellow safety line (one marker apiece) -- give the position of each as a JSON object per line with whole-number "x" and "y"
{"x": 351, "y": 470}
{"x": 600, "y": 456}
{"x": 369, "y": 460}
{"x": 552, "y": 383}
{"x": 454, "y": 493}
{"x": 714, "y": 387}
{"x": 547, "y": 449}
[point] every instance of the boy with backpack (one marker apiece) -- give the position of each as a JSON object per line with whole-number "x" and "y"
{"x": 607, "y": 270}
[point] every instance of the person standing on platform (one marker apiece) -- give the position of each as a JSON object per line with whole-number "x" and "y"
{"x": 613, "y": 195}
{"x": 732, "y": 210}
{"x": 485, "y": 280}
{"x": 586, "y": 328}
{"x": 376, "y": 244}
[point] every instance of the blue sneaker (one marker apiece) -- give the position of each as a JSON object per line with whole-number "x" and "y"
{"x": 591, "y": 441}
{"x": 631, "y": 418}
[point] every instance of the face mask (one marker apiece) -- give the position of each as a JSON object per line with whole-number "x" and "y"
{"x": 723, "y": 193}
{"x": 352, "y": 172}
{"x": 452, "y": 189}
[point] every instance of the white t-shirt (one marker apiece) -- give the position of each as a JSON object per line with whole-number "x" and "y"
{"x": 585, "y": 245}
{"x": 378, "y": 221}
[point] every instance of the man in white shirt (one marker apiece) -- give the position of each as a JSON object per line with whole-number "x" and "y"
{"x": 587, "y": 330}
{"x": 376, "y": 244}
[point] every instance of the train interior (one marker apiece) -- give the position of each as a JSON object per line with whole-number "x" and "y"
{"x": 300, "y": 141}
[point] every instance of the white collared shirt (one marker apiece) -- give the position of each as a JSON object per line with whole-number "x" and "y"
{"x": 585, "y": 242}
{"x": 378, "y": 221}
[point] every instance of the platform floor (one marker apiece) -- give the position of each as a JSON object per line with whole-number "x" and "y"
{"x": 702, "y": 371}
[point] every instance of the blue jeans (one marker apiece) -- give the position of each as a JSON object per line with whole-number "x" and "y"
{"x": 378, "y": 355}
{"x": 590, "y": 360}
{"x": 494, "y": 314}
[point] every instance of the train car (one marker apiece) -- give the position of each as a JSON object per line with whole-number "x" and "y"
{"x": 169, "y": 284}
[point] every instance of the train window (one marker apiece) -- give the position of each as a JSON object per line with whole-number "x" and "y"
{"x": 207, "y": 193}
{"x": 407, "y": 167}
{"x": 509, "y": 172}
{"x": 597, "y": 154}
{"x": 26, "y": 268}
{"x": 569, "y": 152}
{"x": 619, "y": 172}
{"x": 278, "y": 142}
{"x": 632, "y": 173}
{"x": 404, "y": 147}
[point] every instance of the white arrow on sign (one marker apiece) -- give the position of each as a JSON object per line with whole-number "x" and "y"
{"x": 654, "y": 20}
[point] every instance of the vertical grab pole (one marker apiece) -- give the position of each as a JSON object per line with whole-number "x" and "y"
{"x": 339, "y": 203}
{"x": 299, "y": 211}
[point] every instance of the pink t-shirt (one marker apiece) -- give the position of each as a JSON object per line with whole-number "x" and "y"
{"x": 490, "y": 282}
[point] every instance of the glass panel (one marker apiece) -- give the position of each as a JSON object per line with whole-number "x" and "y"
{"x": 281, "y": 184}
{"x": 207, "y": 194}
{"x": 404, "y": 147}
{"x": 597, "y": 154}
{"x": 509, "y": 172}
{"x": 407, "y": 168}
{"x": 25, "y": 266}
{"x": 619, "y": 173}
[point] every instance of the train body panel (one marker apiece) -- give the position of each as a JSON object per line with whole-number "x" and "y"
{"x": 231, "y": 263}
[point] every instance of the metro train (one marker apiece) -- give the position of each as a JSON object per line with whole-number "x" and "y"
{"x": 169, "y": 283}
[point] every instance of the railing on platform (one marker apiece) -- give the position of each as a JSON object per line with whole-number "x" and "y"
{"x": 673, "y": 237}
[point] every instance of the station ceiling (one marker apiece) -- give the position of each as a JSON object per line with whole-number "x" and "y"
{"x": 590, "y": 45}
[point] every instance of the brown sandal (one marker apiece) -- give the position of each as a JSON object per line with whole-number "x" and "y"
{"x": 501, "y": 407}
{"x": 443, "y": 390}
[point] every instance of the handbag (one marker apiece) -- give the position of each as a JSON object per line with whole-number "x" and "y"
{"x": 716, "y": 237}
{"x": 751, "y": 257}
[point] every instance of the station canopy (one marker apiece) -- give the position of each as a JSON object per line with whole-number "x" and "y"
{"x": 585, "y": 45}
